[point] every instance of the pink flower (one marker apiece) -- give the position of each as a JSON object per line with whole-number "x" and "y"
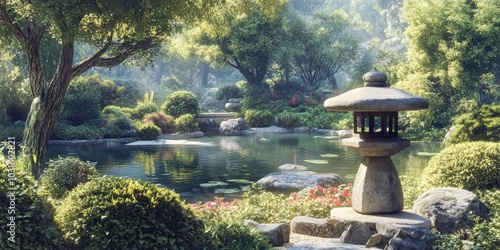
{"x": 337, "y": 202}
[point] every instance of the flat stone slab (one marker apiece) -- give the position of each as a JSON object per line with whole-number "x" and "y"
{"x": 402, "y": 218}
{"x": 327, "y": 245}
{"x": 161, "y": 142}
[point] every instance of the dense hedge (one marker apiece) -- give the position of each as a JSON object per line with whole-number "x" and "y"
{"x": 148, "y": 131}
{"x": 186, "y": 124}
{"x": 469, "y": 165}
{"x": 258, "y": 118}
{"x": 64, "y": 174}
{"x": 165, "y": 122}
{"x": 119, "y": 213}
{"x": 33, "y": 217}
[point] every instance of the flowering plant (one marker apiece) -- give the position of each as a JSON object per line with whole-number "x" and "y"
{"x": 217, "y": 206}
{"x": 332, "y": 196}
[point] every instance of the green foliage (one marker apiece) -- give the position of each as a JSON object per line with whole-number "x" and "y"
{"x": 258, "y": 118}
{"x": 479, "y": 125}
{"x": 412, "y": 188}
{"x": 221, "y": 234}
{"x": 186, "y": 124}
{"x": 289, "y": 120}
{"x": 64, "y": 174}
{"x": 470, "y": 165}
{"x": 165, "y": 122}
{"x": 82, "y": 102}
{"x": 34, "y": 224}
{"x": 180, "y": 103}
{"x": 457, "y": 45}
{"x": 114, "y": 112}
{"x": 143, "y": 109}
{"x": 80, "y": 132}
{"x": 11, "y": 131}
{"x": 447, "y": 242}
{"x": 319, "y": 117}
{"x": 118, "y": 128}
{"x": 148, "y": 131}
{"x": 227, "y": 92}
{"x": 118, "y": 213}
{"x": 264, "y": 207}
{"x": 486, "y": 234}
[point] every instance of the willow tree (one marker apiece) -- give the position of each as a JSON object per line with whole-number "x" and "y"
{"x": 117, "y": 30}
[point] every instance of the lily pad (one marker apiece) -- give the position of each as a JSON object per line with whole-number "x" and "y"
{"x": 317, "y": 161}
{"x": 329, "y": 155}
{"x": 227, "y": 191}
{"x": 245, "y": 188}
{"x": 426, "y": 153}
{"x": 213, "y": 184}
{"x": 240, "y": 181}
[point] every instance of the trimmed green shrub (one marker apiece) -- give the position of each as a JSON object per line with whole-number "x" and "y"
{"x": 113, "y": 112}
{"x": 481, "y": 125}
{"x": 119, "y": 213}
{"x": 33, "y": 217}
{"x": 221, "y": 234}
{"x": 143, "y": 109}
{"x": 165, "y": 122}
{"x": 227, "y": 92}
{"x": 180, "y": 103}
{"x": 64, "y": 174}
{"x": 289, "y": 120}
{"x": 186, "y": 124}
{"x": 258, "y": 118}
{"x": 148, "y": 131}
{"x": 486, "y": 234}
{"x": 319, "y": 117}
{"x": 82, "y": 132}
{"x": 470, "y": 165}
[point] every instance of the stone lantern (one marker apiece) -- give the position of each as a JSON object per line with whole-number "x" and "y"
{"x": 377, "y": 188}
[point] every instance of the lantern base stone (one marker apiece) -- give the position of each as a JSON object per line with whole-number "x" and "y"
{"x": 377, "y": 188}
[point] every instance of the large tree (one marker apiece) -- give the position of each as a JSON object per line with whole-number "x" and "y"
{"x": 245, "y": 35}
{"x": 456, "y": 42}
{"x": 117, "y": 29}
{"x": 320, "y": 48}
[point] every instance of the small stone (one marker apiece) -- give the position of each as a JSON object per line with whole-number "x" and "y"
{"x": 357, "y": 233}
{"x": 374, "y": 240}
{"x": 278, "y": 233}
{"x": 316, "y": 227}
{"x": 292, "y": 167}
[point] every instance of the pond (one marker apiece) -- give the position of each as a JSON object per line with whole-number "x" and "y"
{"x": 224, "y": 166}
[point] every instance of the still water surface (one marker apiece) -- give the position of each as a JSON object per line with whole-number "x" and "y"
{"x": 232, "y": 161}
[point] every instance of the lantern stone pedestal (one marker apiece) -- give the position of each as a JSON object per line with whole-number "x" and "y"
{"x": 377, "y": 189}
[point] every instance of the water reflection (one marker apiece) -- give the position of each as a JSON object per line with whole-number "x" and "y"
{"x": 185, "y": 168}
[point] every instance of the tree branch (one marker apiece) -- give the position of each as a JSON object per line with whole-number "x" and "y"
{"x": 97, "y": 60}
{"x": 7, "y": 21}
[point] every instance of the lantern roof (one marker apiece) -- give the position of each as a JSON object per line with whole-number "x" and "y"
{"x": 376, "y": 96}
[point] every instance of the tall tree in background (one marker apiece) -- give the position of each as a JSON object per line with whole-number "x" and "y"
{"x": 456, "y": 43}
{"x": 321, "y": 48}
{"x": 245, "y": 35}
{"x": 117, "y": 29}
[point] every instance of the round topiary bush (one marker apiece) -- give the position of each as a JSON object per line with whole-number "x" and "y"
{"x": 288, "y": 120}
{"x": 165, "y": 122}
{"x": 258, "y": 118}
{"x": 180, "y": 103}
{"x": 119, "y": 213}
{"x": 64, "y": 174}
{"x": 27, "y": 219}
{"x": 227, "y": 92}
{"x": 143, "y": 109}
{"x": 148, "y": 131}
{"x": 469, "y": 165}
{"x": 186, "y": 124}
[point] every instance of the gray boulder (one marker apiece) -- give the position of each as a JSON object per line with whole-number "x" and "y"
{"x": 292, "y": 167}
{"x": 278, "y": 233}
{"x": 396, "y": 236}
{"x": 233, "y": 127}
{"x": 357, "y": 233}
{"x": 449, "y": 209}
{"x": 299, "y": 179}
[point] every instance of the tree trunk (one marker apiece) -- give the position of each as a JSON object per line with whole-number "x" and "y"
{"x": 205, "y": 71}
{"x": 41, "y": 120}
{"x": 160, "y": 71}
